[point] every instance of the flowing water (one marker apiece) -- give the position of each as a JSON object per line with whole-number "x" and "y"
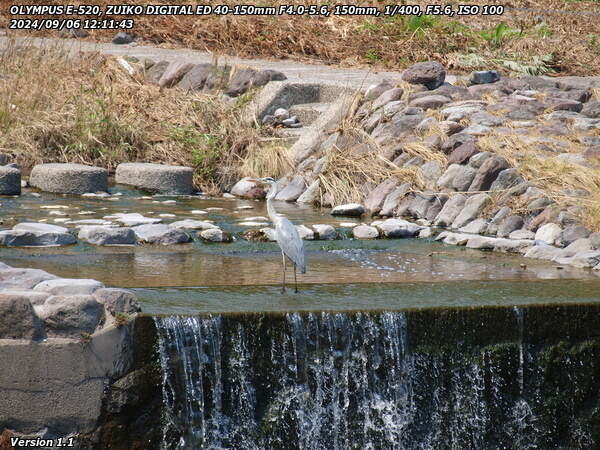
{"x": 391, "y": 344}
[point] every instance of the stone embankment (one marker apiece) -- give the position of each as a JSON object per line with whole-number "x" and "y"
{"x": 68, "y": 359}
{"x": 456, "y": 139}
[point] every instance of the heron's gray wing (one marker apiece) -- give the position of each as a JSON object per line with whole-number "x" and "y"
{"x": 289, "y": 240}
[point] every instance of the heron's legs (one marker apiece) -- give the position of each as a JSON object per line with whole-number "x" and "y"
{"x": 295, "y": 280}
{"x": 283, "y": 284}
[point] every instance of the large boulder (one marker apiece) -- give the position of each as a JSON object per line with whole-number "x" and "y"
{"x": 174, "y": 73}
{"x": 365, "y": 232}
{"x": 430, "y": 74}
{"x": 292, "y": 190}
{"x": 393, "y": 199}
{"x": 430, "y": 101}
{"x": 36, "y": 235}
{"x": 17, "y": 317}
{"x": 160, "y": 234}
{"x": 472, "y": 208}
{"x": 548, "y": 234}
{"x": 377, "y": 196}
{"x": 69, "y": 178}
{"x": 509, "y": 224}
{"x": 216, "y": 235}
{"x": 462, "y": 153}
{"x": 190, "y": 224}
{"x": 325, "y": 232}
{"x": 398, "y": 228}
{"x": 450, "y": 210}
{"x": 10, "y": 180}
{"x": 246, "y": 78}
{"x": 99, "y": 235}
{"x": 160, "y": 178}
{"x": 488, "y": 172}
{"x": 195, "y": 78}
{"x": 70, "y": 315}
{"x": 386, "y": 97}
{"x": 118, "y": 300}
{"x": 155, "y": 73}
{"x": 246, "y": 188}
{"x": 349, "y": 209}
{"x": 507, "y": 179}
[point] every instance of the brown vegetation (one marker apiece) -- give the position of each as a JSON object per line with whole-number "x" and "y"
{"x": 88, "y": 110}
{"x": 531, "y": 36}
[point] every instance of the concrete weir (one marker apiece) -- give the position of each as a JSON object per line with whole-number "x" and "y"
{"x": 75, "y": 361}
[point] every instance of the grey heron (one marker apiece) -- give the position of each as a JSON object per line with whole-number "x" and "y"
{"x": 286, "y": 235}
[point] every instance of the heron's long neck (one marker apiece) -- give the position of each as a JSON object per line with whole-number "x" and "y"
{"x": 270, "y": 208}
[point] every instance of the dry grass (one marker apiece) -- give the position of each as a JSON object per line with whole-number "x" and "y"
{"x": 553, "y": 176}
{"x": 569, "y": 43}
{"x": 424, "y": 152}
{"x": 89, "y": 110}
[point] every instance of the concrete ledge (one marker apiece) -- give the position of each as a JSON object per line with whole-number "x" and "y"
{"x": 163, "y": 179}
{"x": 69, "y": 178}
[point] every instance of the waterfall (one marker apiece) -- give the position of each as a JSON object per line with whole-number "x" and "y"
{"x": 347, "y": 381}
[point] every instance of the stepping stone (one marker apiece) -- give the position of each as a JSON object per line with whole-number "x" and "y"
{"x": 160, "y": 234}
{"x": 163, "y": 179}
{"x": 102, "y": 235}
{"x": 69, "y": 178}
{"x": 10, "y": 181}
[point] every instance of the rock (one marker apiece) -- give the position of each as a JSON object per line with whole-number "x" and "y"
{"x": 305, "y": 233}
{"x": 400, "y": 125}
{"x": 246, "y": 188}
{"x": 425, "y": 233}
{"x": 543, "y": 252}
{"x": 592, "y": 110}
{"x": 458, "y": 113}
{"x": 481, "y": 243}
{"x": 478, "y": 226}
{"x": 375, "y": 90}
{"x": 17, "y": 317}
{"x": 293, "y": 190}
{"x": 99, "y": 235}
{"x": 488, "y": 172}
{"x": 595, "y": 240}
{"x": 132, "y": 219}
{"x": 431, "y": 171}
{"x": 430, "y": 74}
{"x": 550, "y": 214}
{"x": 447, "y": 178}
{"x": 472, "y": 208}
{"x": 349, "y": 210}
{"x": 69, "y": 178}
{"x": 573, "y": 233}
{"x": 387, "y": 97}
{"x": 174, "y": 73}
{"x": 310, "y": 195}
{"x": 393, "y": 199}
{"x": 195, "y": 78}
{"x": 456, "y": 238}
{"x": 158, "y": 178}
{"x": 190, "y": 224}
{"x": 586, "y": 124}
{"x": 70, "y": 315}
{"x": 513, "y": 245}
{"x": 215, "y": 235}
{"x": 10, "y": 181}
{"x": 463, "y": 178}
{"x": 478, "y": 159}
{"x": 499, "y": 216}
{"x": 509, "y": 224}
{"x": 69, "y": 286}
{"x": 24, "y": 238}
{"x": 587, "y": 259}
{"x": 118, "y": 300}
{"x": 123, "y": 38}
{"x": 484, "y": 77}
{"x": 450, "y": 210}
{"x": 18, "y": 279}
{"x": 450, "y": 128}
{"x": 559, "y": 104}
{"x": 325, "y": 232}
{"x": 507, "y": 179}
{"x": 580, "y": 245}
{"x": 462, "y": 153}
{"x": 160, "y": 234}
{"x": 390, "y": 109}
{"x": 522, "y": 234}
{"x": 247, "y": 78}
{"x": 281, "y": 114}
{"x": 365, "y": 232}
{"x": 36, "y": 227}
{"x": 430, "y": 102}
{"x": 377, "y": 196}
{"x": 548, "y": 233}
{"x": 397, "y": 228}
